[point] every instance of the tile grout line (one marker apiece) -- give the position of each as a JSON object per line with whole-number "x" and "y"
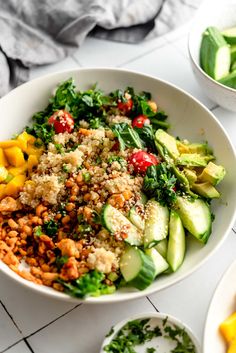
{"x": 10, "y": 316}
{"x": 51, "y": 322}
{"x": 28, "y": 345}
{"x": 12, "y": 345}
{"x": 152, "y": 304}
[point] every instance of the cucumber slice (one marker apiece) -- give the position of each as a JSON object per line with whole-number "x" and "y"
{"x": 232, "y": 54}
{"x": 195, "y": 216}
{"x": 229, "y": 80}
{"x": 137, "y": 268}
{"x": 161, "y": 247}
{"x": 214, "y": 54}
{"x": 176, "y": 244}
{"x": 156, "y": 223}
{"x": 230, "y": 35}
{"x": 144, "y": 198}
{"x": 115, "y": 222}
{"x": 160, "y": 263}
{"x": 136, "y": 219}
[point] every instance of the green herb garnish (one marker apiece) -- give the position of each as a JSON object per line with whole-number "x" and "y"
{"x": 90, "y": 284}
{"x": 127, "y": 136}
{"x": 38, "y": 231}
{"x": 159, "y": 182}
{"x": 50, "y": 227}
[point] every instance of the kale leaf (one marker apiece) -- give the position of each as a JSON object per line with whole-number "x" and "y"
{"x": 90, "y": 284}
{"x": 159, "y": 182}
{"x": 127, "y": 136}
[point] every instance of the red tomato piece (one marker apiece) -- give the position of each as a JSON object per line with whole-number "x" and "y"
{"x": 140, "y": 121}
{"x": 62, "y": 121}
{"x": 141, "y": 160}
{"x": 125, "y": 107}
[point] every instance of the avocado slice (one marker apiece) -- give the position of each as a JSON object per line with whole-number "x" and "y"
{"x": 193, "y": 159}
{"x": 190, "y": 175}
{"x": 212, "y": 173}
{"x": 200, "y": 148}
{"x": 168, "y": 142}
{"x": 206, "y": 189}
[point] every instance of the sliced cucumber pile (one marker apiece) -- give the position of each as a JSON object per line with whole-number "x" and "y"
{"x": 115, "y": 222}
{"x": 218, "y": 55}
{"x": 137, "y": 268}
{"x": 161, "y": 265}
{"x": 136, "y": 219}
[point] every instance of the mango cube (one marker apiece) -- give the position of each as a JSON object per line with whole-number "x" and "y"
{"x": 15, "y": 185}
{"x": 9, "y": 143}
{"x": 232, "y": 346}
{"x": 15, "y": 156}
{"x": 3, "y": 173}
{"x": 32, "y": 162}
{"x": 3, "y": 160}
{"x": 34, "y": 151}
{"x": 24, "y": 139}
{"x": 2, "y": 190}
{"x": 228, "y": 328}
{"x": 18, "y": 170}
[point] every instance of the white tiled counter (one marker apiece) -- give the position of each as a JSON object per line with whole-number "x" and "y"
{"x": 33, "y": 323}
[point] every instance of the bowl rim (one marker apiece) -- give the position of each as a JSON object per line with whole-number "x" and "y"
{"x": 197, "y": 65}
{"x": 150, "y": 315}
{"x": 51, "y": 293}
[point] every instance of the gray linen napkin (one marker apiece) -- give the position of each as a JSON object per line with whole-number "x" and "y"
{"x": 39, "y": 32}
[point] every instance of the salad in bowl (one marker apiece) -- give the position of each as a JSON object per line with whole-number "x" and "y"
{"x": 97, "y": 195}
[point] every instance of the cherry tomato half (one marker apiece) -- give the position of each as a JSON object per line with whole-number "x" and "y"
{"x": 140, "y": 121}
{"x": 141, "y": 160}
{"x": 62, "y": 121}
{"x": 125, "y": 107}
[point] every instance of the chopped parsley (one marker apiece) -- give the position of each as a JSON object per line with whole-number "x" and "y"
{"x": 38, "y": 231}
{"x": 86, "y": 177}
{"x": 50, "y": 227}
{"x": 159, "y": 182}
{"x": 60, "y": 261}
{"x": 139, "y": 332}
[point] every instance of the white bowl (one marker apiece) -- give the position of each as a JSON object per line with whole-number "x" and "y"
{"x": 189, "y": 119}
{"x": 221, "y": 15}
{"x": 223, "y": 304}
{"x": 156, "y": 319}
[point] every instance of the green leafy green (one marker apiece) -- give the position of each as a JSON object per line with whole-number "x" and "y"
{"x": 60, "y": 261}
{"x": 50, "y": 227}
{"x": 133, "y": 333}
{"x": 38, "y": 231}
{"x": 90, "y": 284}
{"x": 151, "y": 350}
{"x": 127, "y": 136}
{"x": 184, "y": 344}
{"x": 159, "y": 182}
{"x": 147, "y": 135}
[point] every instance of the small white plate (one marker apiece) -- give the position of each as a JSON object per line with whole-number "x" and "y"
{"x": 222, "y": 305}
{"x": 162, "y": 345}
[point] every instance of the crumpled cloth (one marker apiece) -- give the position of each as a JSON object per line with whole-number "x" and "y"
{"x": 39, "y": 32}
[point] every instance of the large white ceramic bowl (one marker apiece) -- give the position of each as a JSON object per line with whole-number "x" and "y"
{"x": 220, "y": 14}
{"x": 189, "y": 119}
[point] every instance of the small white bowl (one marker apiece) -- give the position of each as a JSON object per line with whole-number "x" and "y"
{"x": 221, "y": 15}
{"x": 162, "y": 344}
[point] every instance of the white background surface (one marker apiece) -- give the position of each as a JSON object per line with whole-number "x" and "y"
{"x": 31, "y": 323}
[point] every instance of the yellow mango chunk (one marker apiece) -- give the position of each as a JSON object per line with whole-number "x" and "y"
{"x": 232, "y": 346}
{"x": 34, "y": 150}
{"x": 228, "y": 328}
{"x": 3, "y": 160}
{"x": 2, "y": 190}
{"x": 3, "y": 173}
{"x": 9, "y": 143}
{"x": 32, "y": 162}
{"x": 18, "y": 170}
{"x": 24, "y": 139}
{"x": 15, "y": 156}
{"x": 15, "y": 185}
